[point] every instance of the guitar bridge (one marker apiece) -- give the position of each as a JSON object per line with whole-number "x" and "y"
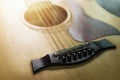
{"x": 74, "y": 55}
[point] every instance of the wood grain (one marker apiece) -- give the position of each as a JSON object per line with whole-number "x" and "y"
{"x": 20, "y": 44}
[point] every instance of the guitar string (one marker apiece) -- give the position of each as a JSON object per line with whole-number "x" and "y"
{"x": 49, "y": 5}
{"x": 51, "y": 35}
{"x": 54, "y": 23}
{"x": 60, "y": 18}
{"x": 48, "y": 14}
{"x": 44, "y": 25}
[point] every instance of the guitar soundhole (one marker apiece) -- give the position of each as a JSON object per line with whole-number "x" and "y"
{"x": 45, "y": 14}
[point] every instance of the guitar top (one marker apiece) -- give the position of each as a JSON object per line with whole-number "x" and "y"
{"x": 22, "y": 41}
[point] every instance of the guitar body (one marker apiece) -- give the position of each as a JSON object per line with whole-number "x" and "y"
{"x": 20, "y": 43}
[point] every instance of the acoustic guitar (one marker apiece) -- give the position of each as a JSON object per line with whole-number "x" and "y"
{"x": 26, "y": 36}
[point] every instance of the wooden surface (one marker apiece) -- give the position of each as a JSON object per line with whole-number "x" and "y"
{"x": 20, "y": 44}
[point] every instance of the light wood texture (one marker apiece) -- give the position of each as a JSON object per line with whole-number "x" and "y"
{"x": 20, "y": 44}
